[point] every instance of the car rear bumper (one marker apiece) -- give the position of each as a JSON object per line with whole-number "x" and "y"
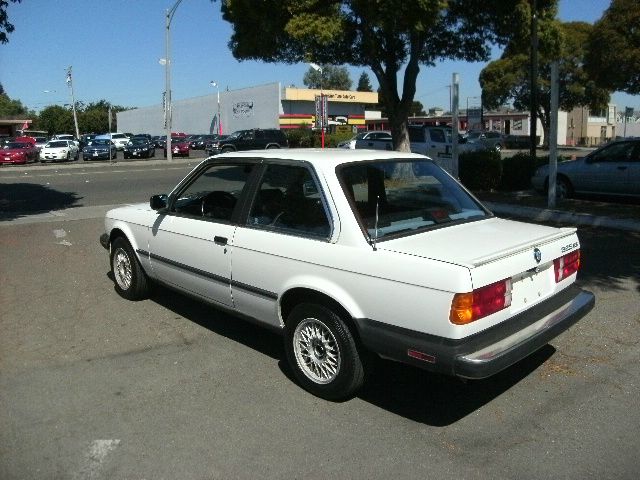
{"x": 485, "y": 353}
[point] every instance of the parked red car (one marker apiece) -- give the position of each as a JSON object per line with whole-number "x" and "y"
{"x": 179, "y": 147}
{"x": 18, "y": 152}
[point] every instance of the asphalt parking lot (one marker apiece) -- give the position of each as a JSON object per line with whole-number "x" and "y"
{"x": 93, "y": 386}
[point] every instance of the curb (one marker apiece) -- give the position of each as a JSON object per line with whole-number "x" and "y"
{"x": 584, "y": 219}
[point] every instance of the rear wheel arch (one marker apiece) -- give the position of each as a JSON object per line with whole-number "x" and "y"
{"x": 297, "y": 296}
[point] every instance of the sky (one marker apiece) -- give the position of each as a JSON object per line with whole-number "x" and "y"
{"x": 114, "y": 47}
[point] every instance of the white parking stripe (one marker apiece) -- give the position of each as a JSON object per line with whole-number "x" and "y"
{"x": 60, "y": 234}
{"x": 95, "y": 457}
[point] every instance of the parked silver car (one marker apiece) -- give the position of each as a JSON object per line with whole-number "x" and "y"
{"x": 613, "y": 169}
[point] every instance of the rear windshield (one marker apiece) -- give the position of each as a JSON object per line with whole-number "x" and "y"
{"x": 400, "y": 197}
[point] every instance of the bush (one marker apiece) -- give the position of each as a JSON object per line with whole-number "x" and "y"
{"x": 306, "y": 138}
{"x": 517, "y": 171}
{"x": 480, "y": 170}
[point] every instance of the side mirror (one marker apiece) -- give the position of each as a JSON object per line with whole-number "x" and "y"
{"x": 158, "y": 202}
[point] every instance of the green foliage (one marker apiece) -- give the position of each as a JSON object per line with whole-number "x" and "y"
{"x": 518, "y": 170}
{"x": 307, "y": 138}
{"x": 507, "y": 79}
{"x": 613, "y": 58}
{"x": 332, "y": 77}
{"x": 392, "y": 37}
{"x": 480, "y": 170}
{"x": 56, "y": 119}
{"x": 5, "y": 26}
{"x": 11, "y": 108}
{"x": 364, "y": 84}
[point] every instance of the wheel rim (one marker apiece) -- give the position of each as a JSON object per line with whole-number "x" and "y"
{"x": 122, "y": 269}
{"x": 561, "y": 190}
{"x": 316, "y": 350}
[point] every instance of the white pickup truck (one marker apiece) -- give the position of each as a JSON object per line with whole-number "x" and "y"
{"x": 431, "y": 141}
{"x": 350, "y": 253}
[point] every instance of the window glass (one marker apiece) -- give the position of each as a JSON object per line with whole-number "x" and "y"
{"x": 393, "y": 197}
{"x": 416, "y": 134}
{"x": 616, "y": 152}
{"x": 214, "y": 194}
{"x": 289, "y": 200}
{"x": 437, "y": 135}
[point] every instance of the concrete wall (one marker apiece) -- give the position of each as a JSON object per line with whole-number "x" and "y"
{"x": 255, "y": 107}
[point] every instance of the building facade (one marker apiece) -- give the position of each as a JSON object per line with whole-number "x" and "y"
{"x": 266, "y": 106}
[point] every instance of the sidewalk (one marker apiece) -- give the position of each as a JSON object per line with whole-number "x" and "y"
{"x": 621, "y": 215}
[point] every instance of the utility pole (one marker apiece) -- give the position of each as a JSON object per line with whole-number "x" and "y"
{"x": 455, "y": 84}
{"x": 167, "y": 73}
{"x": 73, "y": 102}
{"x": 534, "y": 81}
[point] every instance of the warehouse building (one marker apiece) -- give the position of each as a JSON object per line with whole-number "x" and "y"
{"x": 265, "y": 106}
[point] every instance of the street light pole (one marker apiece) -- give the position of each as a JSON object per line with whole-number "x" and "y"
{"x": 73, "y": 103}
{"x": 215, "y": 84}
{"x": 167, "y": 75}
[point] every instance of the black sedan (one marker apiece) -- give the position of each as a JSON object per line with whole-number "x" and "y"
{"x": 139, "y": 147}
{"x": 99, "y": 149}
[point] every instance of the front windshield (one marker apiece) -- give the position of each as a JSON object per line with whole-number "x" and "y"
{"x": 100, "y": 142}
{"x": 16, "y": 145}
{"x": 404, "y": 196}
{"x": 237, "y": 134}
{"x": 57, "y": 144}
{"x": 138, "y": 141}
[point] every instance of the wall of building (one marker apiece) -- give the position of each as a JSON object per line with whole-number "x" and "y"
{"x": 255, "y": 107}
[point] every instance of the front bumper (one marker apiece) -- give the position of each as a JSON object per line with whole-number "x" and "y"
{"x": 485, "y": 353}
{"x": 96, "y": 155}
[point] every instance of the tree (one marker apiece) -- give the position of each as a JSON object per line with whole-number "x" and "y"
{"x": 5, "y": 26}
{"x": 417, "y": 109}
{"x": 613, "y": 48}
{"x": 56, "y": 119}
{"x": 330, "y": 78}
{"x": 386, "y": 36}
{"x": 508, "y": 78}
{"x": 364, "y": 84}
{"x": 11, "y": 108}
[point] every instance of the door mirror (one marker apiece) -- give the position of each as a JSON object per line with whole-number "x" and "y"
{"x": 158, "y": 202}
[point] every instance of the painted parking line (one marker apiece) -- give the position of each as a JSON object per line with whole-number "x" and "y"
{"x": 95, "y": 458}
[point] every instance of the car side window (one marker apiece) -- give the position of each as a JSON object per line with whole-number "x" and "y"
{"x": 214, "y": 194}
{"x": 617, "y": 152}
{"x": 289, "y": 200}
{"x": 437, "y": 135}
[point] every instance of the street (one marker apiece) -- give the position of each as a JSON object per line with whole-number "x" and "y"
{"x": 94, "y": 386}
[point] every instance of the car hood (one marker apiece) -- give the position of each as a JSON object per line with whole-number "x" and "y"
{"x": 476, "y": 243}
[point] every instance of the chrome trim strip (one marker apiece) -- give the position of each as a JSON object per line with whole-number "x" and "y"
{"x": 211, "y": 276}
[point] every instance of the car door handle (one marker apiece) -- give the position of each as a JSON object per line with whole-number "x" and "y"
{"x": 220, "y": 240}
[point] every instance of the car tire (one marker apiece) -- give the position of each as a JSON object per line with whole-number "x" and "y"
{"x": 322, "y": 352}
{"x": 563, "y": 188}
{"x": 271, "y": 147}
{"x": 128, "y": 276}
{"x": 227, "y": 150}
{"x": 68, "y": 157}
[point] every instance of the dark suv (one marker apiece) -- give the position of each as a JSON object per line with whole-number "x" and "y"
{"x": 254, "y": 139}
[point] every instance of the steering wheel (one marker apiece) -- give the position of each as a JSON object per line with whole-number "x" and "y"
{"x": 218, "y": 201}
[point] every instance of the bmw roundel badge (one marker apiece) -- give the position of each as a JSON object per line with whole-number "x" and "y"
{"x": 537, "y": 255}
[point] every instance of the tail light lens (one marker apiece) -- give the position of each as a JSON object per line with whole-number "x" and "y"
{"x": 469, "y": 307}
{"x": 566, "y": 265}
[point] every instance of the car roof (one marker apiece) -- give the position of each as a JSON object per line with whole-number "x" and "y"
{"x": 322, "y": 159}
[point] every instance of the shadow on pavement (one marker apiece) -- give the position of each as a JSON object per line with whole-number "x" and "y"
{"x": 415, "y": 394}
{"x": 23, "y": 199}
{"x": 609, "y": 258}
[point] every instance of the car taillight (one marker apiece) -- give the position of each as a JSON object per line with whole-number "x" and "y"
{"x": 566, "y": 265}
{"x": 469, "y": 307}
